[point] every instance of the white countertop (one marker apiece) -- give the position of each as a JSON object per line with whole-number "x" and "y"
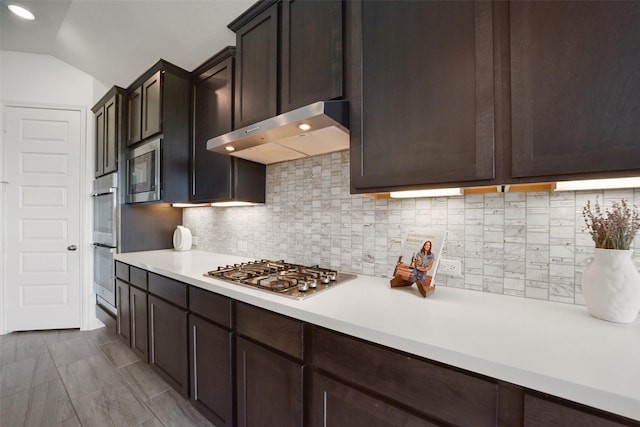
{"x": 551, "y": 347}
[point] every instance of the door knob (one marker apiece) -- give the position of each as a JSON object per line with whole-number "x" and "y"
{"x": 72, "y": 247}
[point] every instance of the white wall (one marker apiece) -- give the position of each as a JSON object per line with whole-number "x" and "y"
{"x": 43, "y": 79}
{"x": 31, "y": 79}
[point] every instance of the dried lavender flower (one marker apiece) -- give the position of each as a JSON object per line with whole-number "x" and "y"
{"x": 612, "y": 229}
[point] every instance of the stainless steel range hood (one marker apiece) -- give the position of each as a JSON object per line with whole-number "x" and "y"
{"x": 285, "y": 137}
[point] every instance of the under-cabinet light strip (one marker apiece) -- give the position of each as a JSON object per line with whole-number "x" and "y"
{"x": 597, "y": 184}
{"x": 232, "y": 203}
{"x": 437, "y": 192}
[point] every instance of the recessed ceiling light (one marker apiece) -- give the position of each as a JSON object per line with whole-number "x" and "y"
{"x": 21, "y": 12}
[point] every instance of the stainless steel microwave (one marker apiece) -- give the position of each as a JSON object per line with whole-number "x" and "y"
{"x": 143, "y": 172}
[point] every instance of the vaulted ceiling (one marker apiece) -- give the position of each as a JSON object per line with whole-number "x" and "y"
{"x": 116, "y": 41}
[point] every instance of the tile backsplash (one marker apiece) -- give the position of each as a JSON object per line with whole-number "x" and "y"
{"x": 527, "y": 244}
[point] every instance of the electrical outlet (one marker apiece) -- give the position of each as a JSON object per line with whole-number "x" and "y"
{"x": 450, "y": 267}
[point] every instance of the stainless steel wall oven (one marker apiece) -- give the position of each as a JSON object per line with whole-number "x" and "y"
{"x": 105, "y": 238}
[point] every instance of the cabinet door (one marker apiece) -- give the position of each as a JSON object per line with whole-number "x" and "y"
{"x": 211, "y": 374}
{"x": 100, "y": 141}
{"x": 427, "y": 95}
{"x": 269, "y": 387}
{"x": 256, "y": 70}
{"x": 110, "y": 161}
{"x": 139, "y": 330}
{"x": 311, "y": 52}
{"x": 212, "y": 98}
{"x": 334, "y": 404}
{"x": 123, "y": 324}
{"x": 152, "y": 105}
{"x": 135, "y": 116}
{"x": 574, "y": 86}
{"x": 436, "y": 391}
{"x": 168, "y": 343}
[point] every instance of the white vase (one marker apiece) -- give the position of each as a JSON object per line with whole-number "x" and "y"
{"x": 611, "y": 286}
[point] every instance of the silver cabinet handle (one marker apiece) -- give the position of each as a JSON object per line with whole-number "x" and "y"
{"x": 195, "y": 363}
{"x": 152, "y": 335}
{"x": 72, "y": 247}
{"x": 119, "y": 294}
{"x": 133, "y": 321}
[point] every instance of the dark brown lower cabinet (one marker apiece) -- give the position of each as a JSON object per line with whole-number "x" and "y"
{"x": 139, "y": 330}
{"x": 436, "y": 392}
{"x": 168, "y": 343}
{"x": 247, "y": 366}
{"x": 269, "y": 387}
{"x": 542, "y": 412}
{"x": 332, "y": 403}
{"x": 210, "y": 353}
{"x": 123, "y": 319}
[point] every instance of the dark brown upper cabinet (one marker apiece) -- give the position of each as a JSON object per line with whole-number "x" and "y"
{"x": 422, "y": 94}
{"x": 145, "y": 109}
{"x": 159, "y": 107}
{"x": 574, "y": 86}
{"x": 134, "y": 134}
{"x": 151, "y": 106}
{"x": 289, "y": 54}
{"x": 219, "y": 177}
{"x": 159, "y": 104}
{"x": 311, "y": 53}
{"x": 109, "y": 126}
{"x": 256, "y": 88}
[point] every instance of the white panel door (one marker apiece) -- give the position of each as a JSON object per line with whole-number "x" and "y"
{"x": 42, "y": 154}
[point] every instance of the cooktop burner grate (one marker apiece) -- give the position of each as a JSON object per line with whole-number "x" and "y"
{"x": 292, "y": 280}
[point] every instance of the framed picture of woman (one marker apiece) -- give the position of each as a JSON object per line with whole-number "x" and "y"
{"x": 418, "y": 260}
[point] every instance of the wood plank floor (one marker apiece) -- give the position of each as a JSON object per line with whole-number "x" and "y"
{"x": 83, "y": 378}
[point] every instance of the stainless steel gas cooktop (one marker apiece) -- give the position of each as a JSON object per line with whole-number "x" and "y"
{"x": 283, "y": 278}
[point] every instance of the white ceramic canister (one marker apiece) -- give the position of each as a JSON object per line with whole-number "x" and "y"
{"x": 182, "y": 239}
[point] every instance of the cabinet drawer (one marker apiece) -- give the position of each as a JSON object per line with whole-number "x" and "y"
{"x": 122, "y": 271}
{"x": 168, "y": 289}
{"x": 430, "y": 389}
{"x": 274, "y": 330}
{"x": 331, "y": 403}
{"x": 211, "y": 306}
{"x": 138, "y": 277}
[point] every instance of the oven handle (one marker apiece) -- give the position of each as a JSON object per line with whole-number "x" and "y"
{"x": 104, "y": 192}
{"x": 98, "y": 245}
